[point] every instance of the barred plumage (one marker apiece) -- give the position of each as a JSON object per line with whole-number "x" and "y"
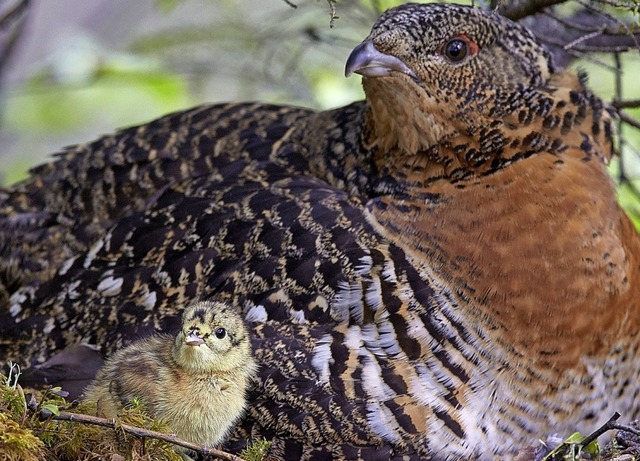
{"x": 441, "y": 271}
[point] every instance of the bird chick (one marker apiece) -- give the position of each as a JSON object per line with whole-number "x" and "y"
{"x": 196, "y": 382}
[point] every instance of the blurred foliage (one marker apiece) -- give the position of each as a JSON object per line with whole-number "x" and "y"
{"x": 123, "y": 93}
{"x": 86, "y": 87}
{"x": 601, "y": 73}
{"x": 282, "y": 52}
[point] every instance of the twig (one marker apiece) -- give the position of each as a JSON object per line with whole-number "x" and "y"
{"x": 629, "y": 119}
{"x": 13, "y": 18}
{"x": 140, "y": 432}
{"x": 623, "y": 428}
{"x": 630, "y": 103}
{"x": 618, "y": 85}
{"x": 605, "y": 29}
{"x": 627, "y": 5}
{"x": 598, "y": 432}
{"x": 575, "y": 52}
{"x": 609, "y": 17}
{"x": 605, "y": 48}
{"x": 583, "y": 38}
{"x": 332, "y": 13}
{"x": 519, "y": 10}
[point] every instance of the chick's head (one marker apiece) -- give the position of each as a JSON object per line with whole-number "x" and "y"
{"x": 213, "y": 337}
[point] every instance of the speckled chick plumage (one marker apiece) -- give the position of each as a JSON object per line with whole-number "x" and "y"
{"x": 195, "y": 381}
{"x": 438, "y": 272}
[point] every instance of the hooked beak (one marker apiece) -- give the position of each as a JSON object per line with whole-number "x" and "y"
{"x": 193, "y": 339}
{"x": 366, "y": 60}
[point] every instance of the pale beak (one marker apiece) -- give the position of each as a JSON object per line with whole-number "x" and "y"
{"x": 366, "y": 60}
{"x": 193, "y": 339}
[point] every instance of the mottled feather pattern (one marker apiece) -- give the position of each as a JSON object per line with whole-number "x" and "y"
{"x": 438, "y": 272}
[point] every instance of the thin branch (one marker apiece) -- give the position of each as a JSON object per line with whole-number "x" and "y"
{"x": 629, "y": 119}
{"x": 583, "y": 38}
{"x": 519, "y": 10}
{"x": 606, "y": 30}
{"x": 581, "y": 51}
{"x": 628, "y": 104}
{"x": 140, "y": 432}
{"x": 332, "y": 12}
{"x": 598, "y": 432}
{"x": 575, "y": 52}
{"x": 609, "y": 17}
{"x": 622, "y": 427}
{"x": 11, "y": 27}
{"x": 606, "y": 48}
{"x": 12, "y": 14}
{"x": 627, "y": 5}
{"x": 618, "y": 88}
{"x": 624, "y": 179}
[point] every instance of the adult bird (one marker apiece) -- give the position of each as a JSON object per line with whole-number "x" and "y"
{"x": 440, "y": 271}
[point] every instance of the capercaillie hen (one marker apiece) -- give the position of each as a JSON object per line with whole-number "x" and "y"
{"x": 440, "y": 271}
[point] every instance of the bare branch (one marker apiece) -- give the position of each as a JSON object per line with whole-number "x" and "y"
{"x": 618, "y": 96}
{"x": 627, "y": 5}
{"x": 12, "y": 19}
{"x": 583, "y": 38}
{"x": 604, "y": 428}
{"x": 140, "y": 432}
{"x": 622, "y": 427}
{"x": 590, "y": 29}
{"x": 624, "y": 30}
{"x": 606, "y": 49}
{"x": 519, "y": 10}
{"x": 575, "y": 53}
{"x": 629, "y": 119}
{"x": 622, "y": 104}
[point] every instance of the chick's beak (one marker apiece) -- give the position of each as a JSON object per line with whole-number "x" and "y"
{"x": 366, "y": 60}
{"x": 193, "y": 339}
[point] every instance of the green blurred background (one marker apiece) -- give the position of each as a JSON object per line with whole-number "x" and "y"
{"x": 84, "y": 68}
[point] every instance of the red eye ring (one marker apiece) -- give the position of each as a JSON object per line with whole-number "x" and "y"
{"x": 458, "y": 47}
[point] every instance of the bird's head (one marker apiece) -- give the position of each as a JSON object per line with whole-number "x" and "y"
{"x": 212, "y": 337}
{"x": 435, "y": 70}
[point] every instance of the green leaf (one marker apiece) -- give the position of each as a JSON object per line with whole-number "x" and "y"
{"x": 576, "y": 437}
{"x": 51, "y": 407}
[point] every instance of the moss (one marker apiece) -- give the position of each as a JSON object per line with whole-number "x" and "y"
{"x": 89, "y": 442}
{"x": 17, "y": 441}
{"x": 25, "y": 437}
{"x": 256, "y": 451}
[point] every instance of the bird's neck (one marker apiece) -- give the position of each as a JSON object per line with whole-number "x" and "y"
{"x": 402, "y": 117}
{"x": 196, "y": 359}
{"x": 442, "y": 141}
{"x": 531, "y": 240}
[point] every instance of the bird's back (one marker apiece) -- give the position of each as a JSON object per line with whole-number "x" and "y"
{"x": 424, "y": 276}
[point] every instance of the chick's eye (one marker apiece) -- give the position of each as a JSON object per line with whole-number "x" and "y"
{"x": 455, "y": 49}
{"x": 220, "y": 332}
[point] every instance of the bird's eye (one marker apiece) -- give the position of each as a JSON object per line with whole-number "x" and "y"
{"x": 455, "y": 50}
{"x": 220, "y": 332}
